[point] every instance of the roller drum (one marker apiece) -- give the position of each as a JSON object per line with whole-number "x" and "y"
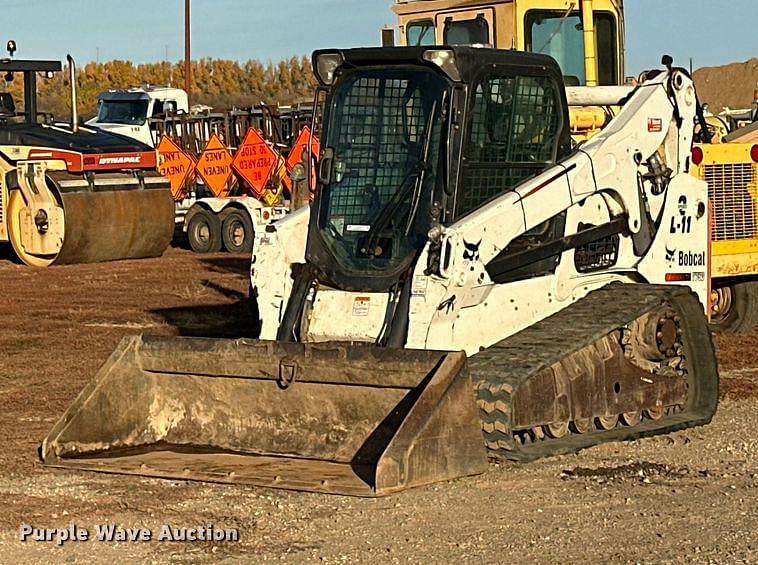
{"x": 66, "y": 221}
{"x": 116, "y": 224}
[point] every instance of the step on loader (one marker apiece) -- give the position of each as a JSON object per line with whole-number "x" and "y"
{"x": 453, "y": 215}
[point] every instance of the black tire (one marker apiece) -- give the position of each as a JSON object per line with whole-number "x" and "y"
{"x": 204, "y": 232}
{"x": 237, "y": 232}
{"x": 739, "y": 304}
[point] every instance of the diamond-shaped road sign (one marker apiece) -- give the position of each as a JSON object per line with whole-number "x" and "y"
{"x": 215, "y": 167}
{"x": 175, "y": 165}
{"x": 255, "y": 161}
{"x": 299, "y": 152}
{"x": 300, "y": 148}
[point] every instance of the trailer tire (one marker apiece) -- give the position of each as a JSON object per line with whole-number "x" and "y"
{"x": 741, "y": 308}
{"x": 237, "y": 232}
{"x": 204, "y": 232}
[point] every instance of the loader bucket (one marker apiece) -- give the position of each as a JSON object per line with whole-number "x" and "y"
{"x": 333, "y": 418}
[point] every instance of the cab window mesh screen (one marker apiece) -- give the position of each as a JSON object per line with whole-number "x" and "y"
{"x": 381, "y": 134}
{"x": 514, "y": 133}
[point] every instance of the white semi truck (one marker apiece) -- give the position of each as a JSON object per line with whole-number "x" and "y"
{"x": 127, "y": 112}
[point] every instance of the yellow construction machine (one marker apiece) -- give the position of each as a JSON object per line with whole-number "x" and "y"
{"x": 731, "y": 171}
{"x": 72, "y": 194}
{"x": 586, "y": 37}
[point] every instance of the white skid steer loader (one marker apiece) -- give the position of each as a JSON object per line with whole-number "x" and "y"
{"x": 452, "y": 215}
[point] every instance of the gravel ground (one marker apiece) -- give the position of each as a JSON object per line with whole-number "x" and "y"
{"x": 691, "y": 496}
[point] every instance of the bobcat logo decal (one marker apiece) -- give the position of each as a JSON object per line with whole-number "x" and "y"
{"x": 670, "y": 254}
{"x": 471, "y": 251}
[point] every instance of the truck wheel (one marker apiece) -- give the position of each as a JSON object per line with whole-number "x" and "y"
{"x": 734, "y": 308}
{"x": 204, "y": 232}
{"x": 237, "y": 232}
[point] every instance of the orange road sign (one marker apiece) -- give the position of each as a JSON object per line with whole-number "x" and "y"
{"x": 176, "y": 165}
{"x": 214, "y": 167}
{"x": 300, "y": 148}
{"x": 255, "y": 161}
{"x": 299, "y": 152}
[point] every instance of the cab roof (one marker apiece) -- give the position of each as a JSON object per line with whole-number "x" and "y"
{"x": 469, "y": 60}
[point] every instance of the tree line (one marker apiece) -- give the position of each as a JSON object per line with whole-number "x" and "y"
{"x": 219, "y": 83}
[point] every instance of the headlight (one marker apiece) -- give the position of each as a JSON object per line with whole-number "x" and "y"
{"x": 326, "y": 65}
{"x": 445, "y": 60}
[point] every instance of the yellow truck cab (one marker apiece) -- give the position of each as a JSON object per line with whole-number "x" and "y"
{"x": 586, "y": 38}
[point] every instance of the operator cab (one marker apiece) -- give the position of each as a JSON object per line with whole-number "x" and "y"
{"x": 417, "y": 137}
{"x": 30, "y": 70}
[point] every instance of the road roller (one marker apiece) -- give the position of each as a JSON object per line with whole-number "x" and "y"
{"x": 72, "y": 194}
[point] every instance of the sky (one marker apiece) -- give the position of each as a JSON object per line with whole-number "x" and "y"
{"x": 711, "y": 32}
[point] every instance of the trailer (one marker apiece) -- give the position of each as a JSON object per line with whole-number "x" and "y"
{"x": 222, "y": 197}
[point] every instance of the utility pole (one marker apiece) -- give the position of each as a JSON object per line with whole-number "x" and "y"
{"x": 187, "y": 71}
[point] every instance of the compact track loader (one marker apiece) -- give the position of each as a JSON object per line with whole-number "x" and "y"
{"x": 587, "y": 38}
{"x": 72, "y": 194}
{"x": 453, "y": 215}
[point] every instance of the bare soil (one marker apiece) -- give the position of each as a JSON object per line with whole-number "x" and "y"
{"x": 690, "y": 496}
{"x": 731, "y": 85}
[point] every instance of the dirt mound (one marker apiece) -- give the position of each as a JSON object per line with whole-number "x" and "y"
{"x": 730, "y": 85}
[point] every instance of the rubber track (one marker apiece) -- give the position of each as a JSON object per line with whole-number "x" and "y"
{"x": 498, "y": 371}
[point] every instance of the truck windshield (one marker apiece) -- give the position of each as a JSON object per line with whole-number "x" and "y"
{"x": 467, "y": 32}
{"x": 126, "y": 112}
{"x": 560, "y": 35}
{"x": 384, "y": 130}
{"x": 421, "y": 33}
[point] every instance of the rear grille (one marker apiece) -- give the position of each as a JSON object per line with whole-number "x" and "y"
{"x": 731, "y": 187}
{"x": 598, "y": 255}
